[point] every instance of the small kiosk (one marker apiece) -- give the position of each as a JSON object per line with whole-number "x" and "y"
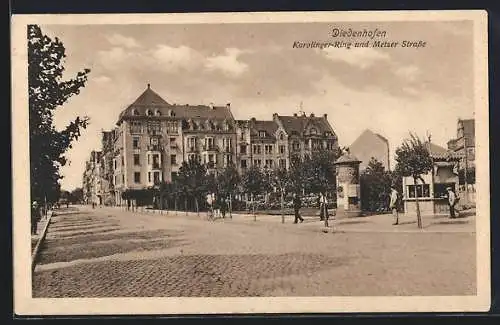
{"x": 348, "y": 190}
{"x": 432, "y": 196}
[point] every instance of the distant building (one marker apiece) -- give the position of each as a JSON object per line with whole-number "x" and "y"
{"x": 152, "y": 139}
{"x": 107, "y": 158}
{"x": 464, "y": 143}
{"x": 432, "y": 194}
{"x": 273, "y": 143}
{"x": 92, "y": 179}
{"x": 371, "y": 145}
{"x": 305, "y": 134}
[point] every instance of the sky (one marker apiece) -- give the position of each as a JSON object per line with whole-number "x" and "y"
{"x": 391, "y": 91}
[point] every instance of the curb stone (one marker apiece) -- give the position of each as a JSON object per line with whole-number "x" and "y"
{"x": 35, "y": 252}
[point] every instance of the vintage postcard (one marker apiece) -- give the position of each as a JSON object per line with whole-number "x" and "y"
{"x": 299, "y": 162}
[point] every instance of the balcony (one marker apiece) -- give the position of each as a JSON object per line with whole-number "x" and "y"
{"x": 155, "y": 165}
{"x": 210, "y": 148}
{"x": 192, "y": 149}
{"x": 154, "y": 147}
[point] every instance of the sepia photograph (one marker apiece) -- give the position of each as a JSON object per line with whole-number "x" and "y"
{"x": 250, "y": 163}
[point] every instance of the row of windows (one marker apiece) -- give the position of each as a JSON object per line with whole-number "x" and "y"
{"x": 153, "y": 160}
{"x": 157, "y": 112}
{"x": 153, "y": 127}
{"x": 423, "y": 190}
{"x": 153, "y": 177}
{"x": 268, "y": 149}
{"x": 281, "y": 136}
{"x": 208, "y": 142}
{"x": 266, "y": 163}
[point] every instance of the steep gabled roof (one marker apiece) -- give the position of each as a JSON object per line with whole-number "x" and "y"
{"x": 438, "y": 152}
{"x": 297, "y": 124}
{"x": 269, "y": 127}
{"x": 201, "y": 112}
{"x": 368, "y": 134}
{"x": 149, "y": 99}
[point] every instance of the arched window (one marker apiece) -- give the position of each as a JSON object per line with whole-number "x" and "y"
{"x": 135, "y": 112}
{"x": 149, "y": 112}
{"x": 158, "y": 113}
{"x": 281, "y": 136}
{"x": 171, "y": 113}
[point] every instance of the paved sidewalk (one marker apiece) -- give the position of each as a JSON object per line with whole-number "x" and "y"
{"x": 373, "y": 223}
{"x": 40, "y": 226}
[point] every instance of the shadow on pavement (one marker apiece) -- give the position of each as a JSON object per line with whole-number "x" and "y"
{"x": 94, "y": 246}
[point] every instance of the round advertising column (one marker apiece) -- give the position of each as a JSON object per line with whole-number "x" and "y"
{"x": 348, "y": 191}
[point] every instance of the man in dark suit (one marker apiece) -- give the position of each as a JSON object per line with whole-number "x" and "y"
{"x": 297, "y": 204}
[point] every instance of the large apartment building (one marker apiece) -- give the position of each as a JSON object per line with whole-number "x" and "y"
{"x": 92, "y": 179}
{"x": 153, "y": 137}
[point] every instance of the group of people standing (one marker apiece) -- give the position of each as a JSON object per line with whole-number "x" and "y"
{"x": 323, "y": 206}
{"x": 218, "y": 205}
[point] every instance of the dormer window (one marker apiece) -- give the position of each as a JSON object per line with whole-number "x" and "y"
{"x": 313, "y": 131}
{"x": 135, "y": 112}
{"x": 158, "y": 113}
{"x": 208, "y": 125}
{"x": 149, "y": 112}
{"x": 262, "y": 134}
{"x": 171, "y": 113}
{"x": 281, "y": 136}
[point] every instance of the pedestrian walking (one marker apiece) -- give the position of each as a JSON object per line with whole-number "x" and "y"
{"x": 393, "y": 204}
{"x": 35, "y": 217}
{"x": 297, "y": 204}
{"x": 217, "y": 204}
{"x": 452, "y": 201}
{"x": 223, "y": 207}
{"x": 210, "y": 203}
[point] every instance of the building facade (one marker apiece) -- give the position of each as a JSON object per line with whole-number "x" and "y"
{"x": 152, "y": 139}
{"x": 92, "y": 179}
{"x": 432, "y": 194}
{"x": 300, "y": 135}
{"x": 106, "y": 165}
{"x": 464, "y": 145}
{"x": 371, "y": 145}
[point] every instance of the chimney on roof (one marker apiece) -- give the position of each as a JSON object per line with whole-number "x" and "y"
{"x": 253, "y": 119}
{"x": 149, "y": 86}
{"x": 211, "y": 105}
{"x": 295, "y": 114}
{"x": 325, "y": 115}
{"x": 312, "y": 114}
{"x": 228, "y": 105}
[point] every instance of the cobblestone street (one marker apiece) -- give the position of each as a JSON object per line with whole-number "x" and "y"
{"x": 108, "y": 252}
